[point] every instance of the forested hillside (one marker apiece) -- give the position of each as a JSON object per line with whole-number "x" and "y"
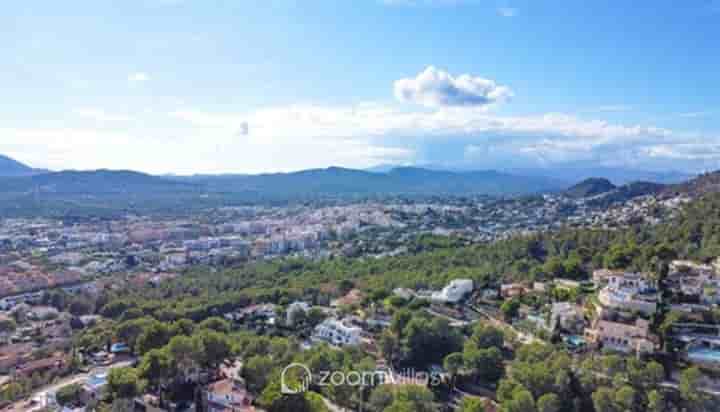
{"x": 171, "y": 323}
{"x": 695, "y": 234}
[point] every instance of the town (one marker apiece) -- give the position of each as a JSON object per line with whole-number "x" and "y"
{"x": 60, "y": 277}
{"x": 42, "y": 253}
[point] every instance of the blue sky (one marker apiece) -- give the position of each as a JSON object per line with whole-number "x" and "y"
{"x": 183, "y": 86}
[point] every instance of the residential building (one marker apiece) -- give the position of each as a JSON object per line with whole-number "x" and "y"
{"x": 621, "y": 336}
{"x": 695, "y": 280}
{"x": 337, "y": 333}
{"x": 627, "y": 299}
{"x": 567, "y": 316}
{"x": 404, "y": 293}
{"x": 455, "y": 291}
{"x": 228, "y": 395}
{"x": 510, "y": 290}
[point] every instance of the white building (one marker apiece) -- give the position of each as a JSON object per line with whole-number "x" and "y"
{"x": 631, "y": 282}
{"x": 404, "y": 293}
{"x": 337, "y": 333}
{"x": 629, "y": 292}
{"x": 622, "y": 299}
{"x": 455, "y": 291}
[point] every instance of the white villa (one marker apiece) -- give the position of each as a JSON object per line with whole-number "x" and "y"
{"x": 337, "y": 333}
{"x": 631, "y": 292}
{"x": 455, "y": 291}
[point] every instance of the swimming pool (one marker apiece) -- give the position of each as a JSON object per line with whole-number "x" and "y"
{"x": 704, "y": 355}
{"x": 575, "y": 340}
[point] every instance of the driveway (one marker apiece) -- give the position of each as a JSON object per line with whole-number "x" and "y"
{"x": 41, "y": 394}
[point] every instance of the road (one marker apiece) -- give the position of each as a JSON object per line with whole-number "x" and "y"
{"x": 40, "y": 395}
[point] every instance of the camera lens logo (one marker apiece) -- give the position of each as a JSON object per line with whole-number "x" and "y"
{"x": 295, "y": 379}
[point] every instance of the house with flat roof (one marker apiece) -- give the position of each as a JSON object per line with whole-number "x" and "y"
{"x": 337, "y": 333}
{"x": 455, "y": 291}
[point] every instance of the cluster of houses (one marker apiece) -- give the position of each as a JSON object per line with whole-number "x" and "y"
{"x": 616, "y": 311}
{"x": 43, "y": 253}
{"x": 622, "y": 315}
{"x": 695, "y": 297}
{"x": 612, "y": 312}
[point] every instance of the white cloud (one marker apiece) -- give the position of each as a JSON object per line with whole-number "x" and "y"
{"x": 99, "y": 115}
{"x": 685, "y": 151}
{"x": 393, "y": 134}
{"x": 193, "y": 152}
{"x": 138, "y": 77}
{"x": 507, "y": 11}
{"x": 295, "y": 137}
{"x": 437, "y": 88}
{"x": 376, "y": 120}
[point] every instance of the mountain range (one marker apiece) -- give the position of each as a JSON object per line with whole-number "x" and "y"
{"x": 11, "y": 167}
{"x": 337, "y": 181}
{"x": 96, "y": 182}
{"x": 617, "y": 175}
{"x": 569, "y": 172}
{"x": 22, "y": 187}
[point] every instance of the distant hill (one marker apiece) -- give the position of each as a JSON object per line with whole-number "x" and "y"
{"x": 601, "y": 192}
{"x": 626, "y": 192}
{"x": 108, "y": 192}
{"x": 333, "y": 181}
{"x": 590, "y": 187}
{"x": 575, "y": 173}
{"x": 703, "y": 184}
{"x": 11, "y": 167}
{"x": 338, "y": 182}
{"x": 97, "y": 182}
